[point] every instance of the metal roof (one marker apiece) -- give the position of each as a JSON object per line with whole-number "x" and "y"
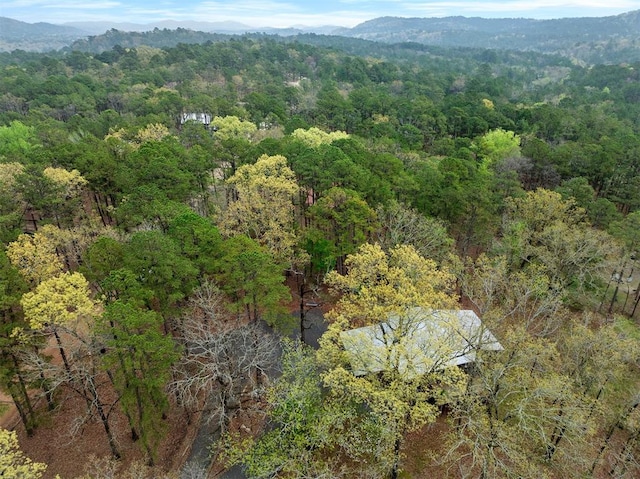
{"x": 418, "y": 341}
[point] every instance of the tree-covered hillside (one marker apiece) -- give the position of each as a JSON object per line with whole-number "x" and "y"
{"x": 593, "y": 40}
{"x": 597, "y": 40}
{"x": 169, "y": 216}
{"x": 35, "y": 36}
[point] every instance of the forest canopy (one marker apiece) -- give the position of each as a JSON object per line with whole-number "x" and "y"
{"x": 169, "y": 214}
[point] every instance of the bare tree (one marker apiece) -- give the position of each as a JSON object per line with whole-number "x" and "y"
{"x": 84, "y": 378}
{"x": 400, "y": 224}
{"x": 223, "y": 367}
{"x": 502, "y": 296}
{"x": 193, "y": 470}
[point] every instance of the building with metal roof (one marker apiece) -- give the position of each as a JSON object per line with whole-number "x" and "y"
{"x": 418, "y": 342}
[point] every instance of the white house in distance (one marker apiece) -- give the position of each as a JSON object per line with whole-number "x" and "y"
{"x": 419, "y": 342}
{"x": 204, "y": 118}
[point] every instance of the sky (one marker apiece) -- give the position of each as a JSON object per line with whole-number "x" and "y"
{"x": 287, "y": 13}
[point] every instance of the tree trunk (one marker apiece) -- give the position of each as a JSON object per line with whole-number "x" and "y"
{"x": 625, "y": 457}
{"x": 556, "y": 436}
{"x": 612, "y": 429}
{"x": 24, "y": 416}
{"x": 107, "y": 429}
{"x": 62, "y": 353}
{"x": 143, "y": 435}
{"x": 396, "y": 458}
{"x": 134, "y": 434}
{"x": 26, "y": 401}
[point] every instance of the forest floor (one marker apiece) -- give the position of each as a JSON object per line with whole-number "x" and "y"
{"x": 69, "y": 453}
{"x": 69, "y": 448}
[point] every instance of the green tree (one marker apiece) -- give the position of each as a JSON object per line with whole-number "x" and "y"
{"x": 627, "y": 230}
{"x": 300, "y": 442}
{"x": 159, "y": 164}
{"x": 252, "y": 279}
{"x": 159, "y": 266}
{"x": 198, "y": 239}
{"x": 69, "y": 186}
{"x": 41, "y": 194}
{"x": 18, "y": 141}
{"x": 147, "y": 205}
{"x": 139, "y": 358}
{"x": 344, "y": 219}
{"x": 12, "y": 378}
{"x": 601, "y": 211}
{"x": 103, "y": 256}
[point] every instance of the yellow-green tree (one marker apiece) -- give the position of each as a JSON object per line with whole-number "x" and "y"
{"x": 499, "y": 426}
{"x": 315, "y": 137}
{"x": 70, "y": 182}
{"x": 35, "y": 257}
{"x": 59, "y": 303}
{"x": 10, "y": 201}
{"x": 504, "y": 297}
{"x": 543, "y": 229}
{"x": 264, "y": 209}
{"x": 152, "y": 132}
{"x": 67, "y": 189}
{"x": 8, "y": 173}
{"x": 533, "y": 410}
{"x": 123, "y": 140}
{"x": 400, "y": 289}
{"x": 232, "y": 127}
{"x": 13, "y": 463}
{"x": 71, "y": 244}
{"x": 497, "y": 145}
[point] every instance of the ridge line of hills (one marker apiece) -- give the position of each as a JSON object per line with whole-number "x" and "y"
{"x": 588, "y": 39}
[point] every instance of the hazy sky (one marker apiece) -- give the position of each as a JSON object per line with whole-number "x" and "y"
{"x": 283, "y": 13}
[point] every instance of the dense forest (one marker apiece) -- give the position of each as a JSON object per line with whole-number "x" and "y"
{"x": 174, "y": 217}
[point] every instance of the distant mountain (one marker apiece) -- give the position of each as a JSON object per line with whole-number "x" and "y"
{"x": 35, "y": 36}
{"x": 155, "y": 38}
{"x": 41, "y": 37}
{"x": 97, "y": 28}
{"x": 612, "y": 39}
{"x": 565, "y": 36}
{"x": 170, "y": 33}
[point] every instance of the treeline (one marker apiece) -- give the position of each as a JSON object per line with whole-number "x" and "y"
{"x": 145, "y": 249}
